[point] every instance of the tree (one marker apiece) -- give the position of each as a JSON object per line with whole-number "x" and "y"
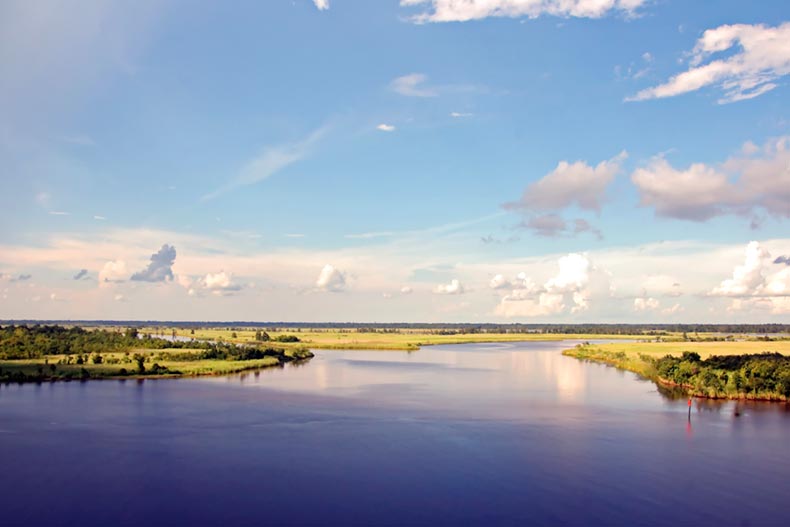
{"x": 140, "y": 359}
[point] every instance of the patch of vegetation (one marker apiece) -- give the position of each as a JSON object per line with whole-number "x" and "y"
{"x": 758, "y": 376}
{"x": 49, "y": 353}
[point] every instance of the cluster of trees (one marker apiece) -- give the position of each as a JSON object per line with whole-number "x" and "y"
{"x": 759, "y": 376}
{"x": 82, "y": 346}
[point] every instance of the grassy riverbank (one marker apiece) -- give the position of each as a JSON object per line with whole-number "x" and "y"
{"x": 723, "y": 370}
{"x": 54, "y": 353}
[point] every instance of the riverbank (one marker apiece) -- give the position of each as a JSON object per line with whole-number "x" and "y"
{"x": 757, "y": 371}
{"x": 159, "y": 364}
{"x": 56, "y": 353}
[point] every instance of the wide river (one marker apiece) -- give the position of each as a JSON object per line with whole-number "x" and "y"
{"x": 480, "y": 434}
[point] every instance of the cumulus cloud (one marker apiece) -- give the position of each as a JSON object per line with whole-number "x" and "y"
{"x": 465, "y": 10}
{"x": 82, "y": 273}
{"x": 761, "y": 57}
{"x": 412, "y": 85}
{"x": 747, "y": 278}
{"x": 383, "y": 127}
{"x": 322, "y": 5}
{"x": 697, "y": 193}
{"x": 220, "y": 284}
{"x": 113, "y": 271}
{"x": 672, "y": 310}
{"x": 405, "y": 290}
{"x": 754, "y": 286}
{"x": 646, "y": 304}
{"x": 749, "y": 182}
{"x": 570, "y": 184}
{"x": 453, "y": 288}
{"x": 160, "y": 268}
{"x": 575, "y": 284}
{"x": 331, "y": 279}
{"x": 499, "y": 282}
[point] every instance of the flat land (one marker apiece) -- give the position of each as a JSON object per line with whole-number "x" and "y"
{"x": 705, "y": 349}
{"x": 368, "y": 340}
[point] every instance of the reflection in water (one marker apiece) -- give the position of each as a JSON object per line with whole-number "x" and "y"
{"x": 471, "y": 434}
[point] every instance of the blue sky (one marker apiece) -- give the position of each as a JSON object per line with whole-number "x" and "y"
{"x": 382, "y": 161}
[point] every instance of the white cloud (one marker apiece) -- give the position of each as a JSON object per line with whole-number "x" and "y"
{"x": 747, "y": 278}
{"x": 499, "y": 282}
{"x": 646, "y": 304}
{"x": 271, "y": 160}
{"x": 761, "y": 58}
{"x": 459, "y": 115}
{"x": 453, "y": 288}
{"x": 753, "y": 285}
{"x": 113, "y": 271}
{"x": 570, "y": 184}
{"x": 99, "y": 218}
{"x": 465, "y": 10}
{"x": 220, "y": 283}
{"x": 383, "y": 127}
{"x": 331, "y": 279}
{"x": 672, "y": 310}
{"x": 412, "y": 85}
{"x": 322, "y": 5}
{"x": 756, "y": 178}
{"x": 574, "y": 285}
{"x": 405, "y": 290}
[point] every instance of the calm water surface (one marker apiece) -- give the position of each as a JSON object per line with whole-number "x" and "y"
{"x": 480, "y": 434}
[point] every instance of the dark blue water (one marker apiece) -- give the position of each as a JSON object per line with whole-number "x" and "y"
{"x": 507, "y": 434}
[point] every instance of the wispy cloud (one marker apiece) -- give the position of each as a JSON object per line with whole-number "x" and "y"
{"x": 368, "y": 235}
{"x": 413, "y": 85}
{"x": 322, "y": 5}
{"x": 59, "y": 213}
{"x": 462, "y": 11}
{"x": 270, "y": 161}
{"x": 383, "y": 127}
{"x": 763, "y": 58}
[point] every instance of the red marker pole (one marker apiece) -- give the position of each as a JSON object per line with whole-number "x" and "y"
{"x": 689, "y": 408}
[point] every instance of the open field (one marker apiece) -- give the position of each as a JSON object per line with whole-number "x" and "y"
{"x": 368, "y": 340}
{"x": 705, "y": 349}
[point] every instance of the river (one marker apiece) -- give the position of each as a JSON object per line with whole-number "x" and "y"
{"x": 483, "y": 434}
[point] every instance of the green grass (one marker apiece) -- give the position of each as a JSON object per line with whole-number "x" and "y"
{"x": 113, "y": 363}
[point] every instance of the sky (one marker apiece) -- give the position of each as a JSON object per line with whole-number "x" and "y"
{"x": 395, "y": 161}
